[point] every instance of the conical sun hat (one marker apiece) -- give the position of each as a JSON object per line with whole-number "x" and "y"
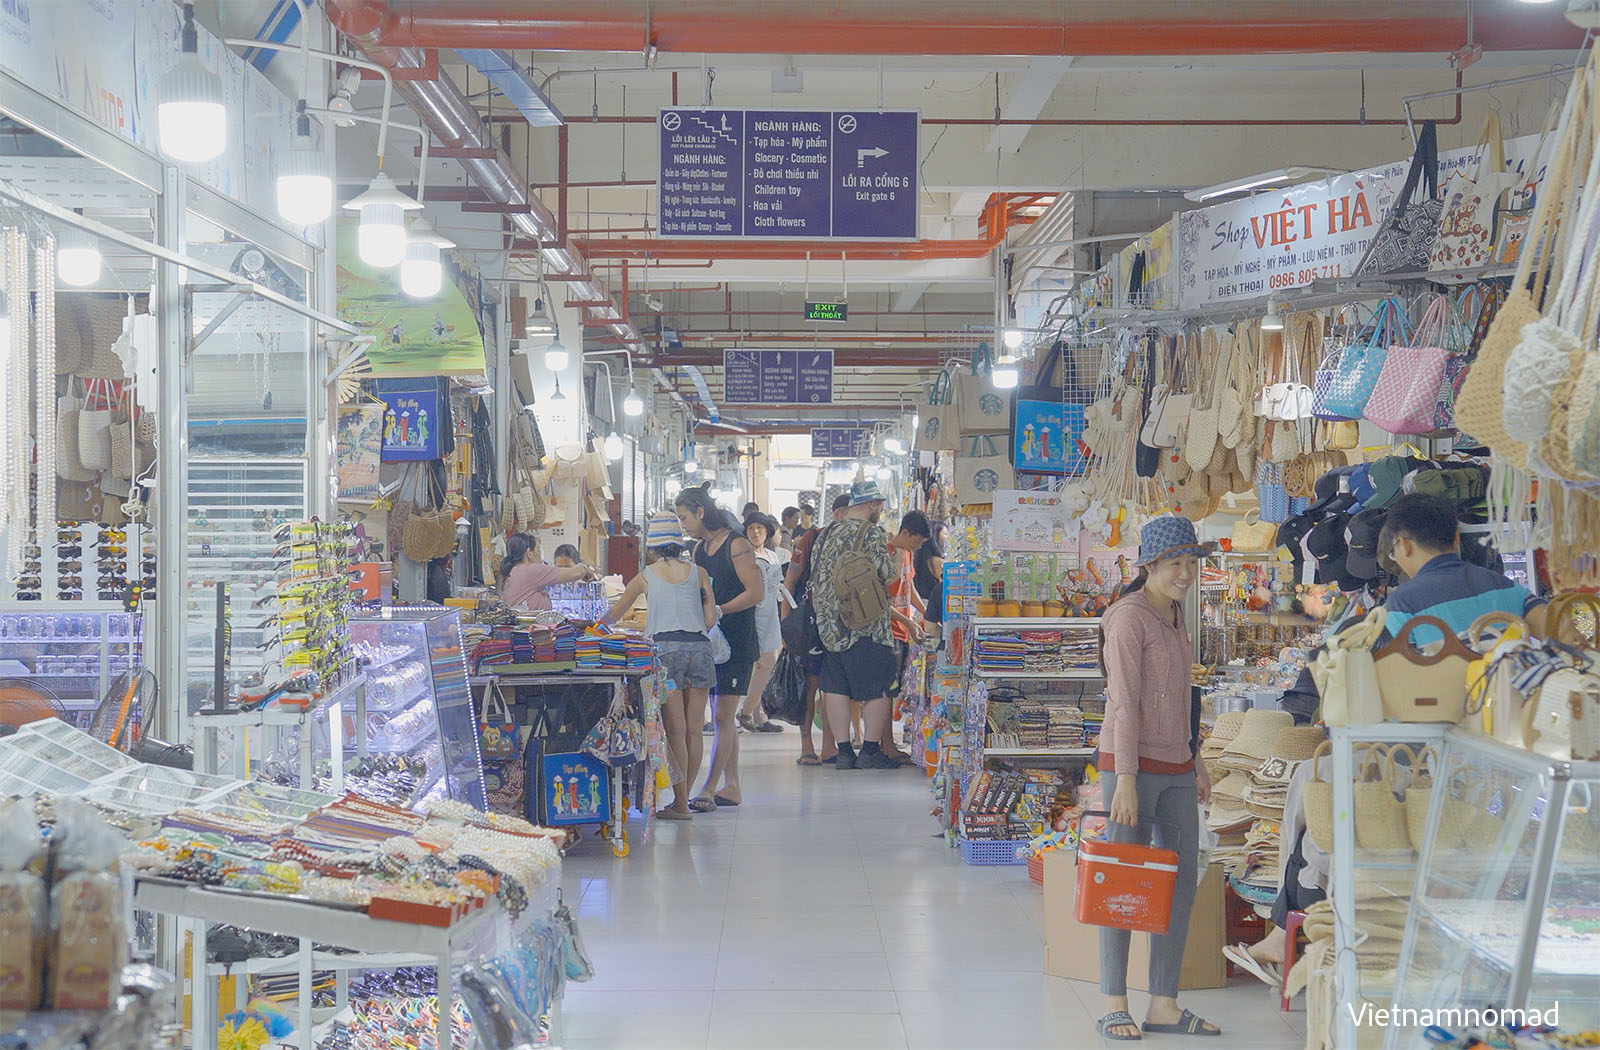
{"x": 1258, "y": 733}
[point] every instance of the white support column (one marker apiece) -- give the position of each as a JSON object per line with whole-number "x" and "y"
{"x": 167, "y": 630}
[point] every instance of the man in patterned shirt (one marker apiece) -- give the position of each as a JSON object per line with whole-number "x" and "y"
{"x": 856, "y": 665}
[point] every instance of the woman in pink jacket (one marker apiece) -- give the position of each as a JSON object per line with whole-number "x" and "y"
{"x": 1147, "y": 759}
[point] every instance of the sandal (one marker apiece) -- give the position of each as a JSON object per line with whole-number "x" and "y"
{"x": 1189, "y": 1023}
{"x": 671, "y": 814}
{"x": 747, "y": 723}
{"x": 725, "y": 803}
{"x": 702, "y": 805}
{"x": 1118, "y": 1019}
{"x": 808, "y": 760}
{"x": 1239, "y": 955}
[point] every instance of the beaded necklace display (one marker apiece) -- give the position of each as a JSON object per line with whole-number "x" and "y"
{"x": 44, "y": 401}
{"x": 15, "y": 449}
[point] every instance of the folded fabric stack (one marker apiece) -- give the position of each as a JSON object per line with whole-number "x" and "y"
{"x": 1032, "y": 724}
{"x": 997, "y": 654}
{"x": 1065, "y": 726}
{"x": 613, "y": 651}
{"x": 504, "y": 646}
{"x": 1092, "y": 721}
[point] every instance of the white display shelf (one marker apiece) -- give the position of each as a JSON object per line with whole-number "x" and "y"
{"x": 1038, "y": 752}
{"x": 1039, "y": 623}
{"x": 1062, "y": 676}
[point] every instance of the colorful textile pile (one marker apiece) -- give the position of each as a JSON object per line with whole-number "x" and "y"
{"x": 614, "y": 651}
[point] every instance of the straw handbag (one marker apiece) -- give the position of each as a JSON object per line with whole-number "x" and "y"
{"x": 1380, "y": 819}
{"x": 69, "y": 464}
{"x": 1318, "y": 801}
{"x": 1482, "y": 398}
{"x": 1251, "y": 535}
{"x": 1235, "y": 418}
{"x": 1574, "y": 618}
{"x": 1492, "y": 636}
{"x": 1201, "y": 441}
{"x": 1419, "y": 687}
{"x": 94, "y": 427}
{"x": 1419, "y": 799}
{"x": 1346, "y": 674}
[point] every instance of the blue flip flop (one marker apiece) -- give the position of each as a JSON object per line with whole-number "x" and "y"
{"x": 1118, "y": 1019}
{"x": 1188, "y": 1024}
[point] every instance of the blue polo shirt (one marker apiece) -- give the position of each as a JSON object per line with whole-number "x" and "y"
{"x": 1456, "y": 592}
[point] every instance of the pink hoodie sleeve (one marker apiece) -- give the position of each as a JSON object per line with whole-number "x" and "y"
{"x": 1123, "y": 651}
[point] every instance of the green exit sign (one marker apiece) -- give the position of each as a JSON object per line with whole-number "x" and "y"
{"x": 827, "y": 311}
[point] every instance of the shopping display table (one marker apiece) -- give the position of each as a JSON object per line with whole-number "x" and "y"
{"x": 381, "y": 942}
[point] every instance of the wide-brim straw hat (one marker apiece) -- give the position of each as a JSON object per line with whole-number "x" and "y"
{"x": 1297, "y": 743}
{"x": 1258, "y": 733}
{"x": 1227, "y": 726}
{"x": 1232, "y": 786}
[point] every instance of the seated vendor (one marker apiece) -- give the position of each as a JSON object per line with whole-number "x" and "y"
{"x": 566, "y": 557}
{"x": 1421, "y": 540}
{"x": 524, "y": 578}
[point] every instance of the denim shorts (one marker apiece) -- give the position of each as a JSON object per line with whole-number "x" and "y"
{"x": 688, "y": 664}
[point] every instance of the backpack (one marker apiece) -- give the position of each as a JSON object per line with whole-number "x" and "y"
{"x": 863, "y": 596}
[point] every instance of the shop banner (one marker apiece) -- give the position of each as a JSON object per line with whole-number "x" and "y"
{"x": 360, "y": 447}
{"x": 1027, "y": 520}
{"x": 410, "y": 421}
{"x": 431, "y": 337}
{"x": 1254, "y": 246}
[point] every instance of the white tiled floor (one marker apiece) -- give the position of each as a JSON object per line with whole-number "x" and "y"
{"x": 823, "y": 913}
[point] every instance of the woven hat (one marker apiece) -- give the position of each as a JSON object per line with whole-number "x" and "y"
{"x": 1227, "y": 726}
{"x": 664, "y": 528}
{"x": 1297, "y": 743}
{"x": 1232, "y": 786}
{"x": 1260, "y": 730}
{"x": 1276, "y": 770}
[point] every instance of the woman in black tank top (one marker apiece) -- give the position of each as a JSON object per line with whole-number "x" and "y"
{"x": 736, "y": 585}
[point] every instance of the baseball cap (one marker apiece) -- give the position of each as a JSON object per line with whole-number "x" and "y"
{"x": 1361, "y": 539}
{"x": 865, "y": 492}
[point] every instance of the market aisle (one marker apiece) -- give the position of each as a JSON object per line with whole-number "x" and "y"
{"x": 822, "y": 913}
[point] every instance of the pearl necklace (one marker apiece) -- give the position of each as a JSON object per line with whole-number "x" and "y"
{"x": 13, "y": 463}
{"x": 45, "y": 399}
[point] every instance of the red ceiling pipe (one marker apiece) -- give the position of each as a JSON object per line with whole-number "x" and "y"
{"x": 937, "y": 27}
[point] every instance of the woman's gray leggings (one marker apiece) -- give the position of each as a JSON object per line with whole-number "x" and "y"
{"x": 1166, "y": 802}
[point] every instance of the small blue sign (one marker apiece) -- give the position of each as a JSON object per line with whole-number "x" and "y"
{"x": 788, "y": 173}
{"x": 777, "y": 377}
{"x": 840, "y": 442}
{"x": 410, "y": 420}
{"x": 576, "y": 788}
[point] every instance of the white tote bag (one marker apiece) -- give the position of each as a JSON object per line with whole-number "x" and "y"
{"x": 1346, "y": 676}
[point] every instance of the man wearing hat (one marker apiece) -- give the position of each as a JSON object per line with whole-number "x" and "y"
{"x": 857, "y": 665}
{"x": 1147, "y": 761}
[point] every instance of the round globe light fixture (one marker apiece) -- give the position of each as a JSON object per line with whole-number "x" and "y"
{"x": 77, "y": 259}
{"x": 305, "y": 188}
{"x": 381, "y": 237}
{"x": 421, "y": 271}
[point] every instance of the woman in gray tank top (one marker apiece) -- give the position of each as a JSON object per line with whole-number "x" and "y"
{"x": 679, "y": 610}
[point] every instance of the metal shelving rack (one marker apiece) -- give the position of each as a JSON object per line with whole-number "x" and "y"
{"x": 233, "y": 505}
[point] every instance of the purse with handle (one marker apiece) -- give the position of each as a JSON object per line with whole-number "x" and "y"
{"x": 1405, "y": 399}
{"x": 1346, "y": 674}
{"x": 1472, "y": 205}
{"x": 1423, "y": 687}
{"x": 1251, "y": 535}
{"x": 1361, "y": 363}
{"x": 1405, "y": 239}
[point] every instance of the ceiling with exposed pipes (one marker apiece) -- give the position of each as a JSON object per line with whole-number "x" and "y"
{"x": 1043, "y": 122}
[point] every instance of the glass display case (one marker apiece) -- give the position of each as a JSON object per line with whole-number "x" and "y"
{"x": 70, "y": 657}
{"x": 419, "y": 703}
{"x": 1507, "y": 901}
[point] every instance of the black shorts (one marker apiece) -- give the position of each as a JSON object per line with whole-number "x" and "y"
{"x": 862, "y": 672}
{"x": 733, "y": 677}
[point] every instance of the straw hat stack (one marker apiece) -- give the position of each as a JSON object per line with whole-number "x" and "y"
{"x": 1222, "y": 734}
{"x": 1269, "y": 782}
{"x": 1253, "y": 744}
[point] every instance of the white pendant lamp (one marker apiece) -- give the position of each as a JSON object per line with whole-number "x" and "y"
{"x": 421, "y": 272}
{"x": 1005, "y": 372}
{"x": 1012, "y": 338}
{"x": 633, "y": 404}
{"x": 305, "y": 189}
{"x": 614, "y": 446}
{"x": 556, "y": 357}
{"x": 381, "y": 237}
{"x": 690, "y": 466}
{"x": 77, "y": 259}
{"x": 1273, "y": 321}
{"x": 893, "y": 445}
{"x": 191, "y": 120}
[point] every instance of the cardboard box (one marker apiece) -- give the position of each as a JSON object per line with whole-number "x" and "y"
{"x": 1072, "y": 949}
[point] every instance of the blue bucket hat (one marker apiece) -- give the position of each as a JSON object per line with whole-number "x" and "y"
{"x": 865, "y": 492}
{"x": 1167, "y": 537}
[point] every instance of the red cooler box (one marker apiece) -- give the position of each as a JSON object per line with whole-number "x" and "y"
{"x": 1125, "y": 885}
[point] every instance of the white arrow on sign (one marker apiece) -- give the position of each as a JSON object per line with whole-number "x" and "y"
{"x": 863, "y": 154}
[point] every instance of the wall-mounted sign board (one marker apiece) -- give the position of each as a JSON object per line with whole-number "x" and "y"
{"x": 777, "y": 377}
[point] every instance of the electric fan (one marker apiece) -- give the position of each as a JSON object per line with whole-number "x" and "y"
{"x": 23, "y": 701}
{"x": 128, "y": 706}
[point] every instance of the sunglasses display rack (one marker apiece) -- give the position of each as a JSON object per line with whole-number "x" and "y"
{"x": 69, "y": 654}
{"x": 234, "y": 506}
{"x": 86, "y": 563}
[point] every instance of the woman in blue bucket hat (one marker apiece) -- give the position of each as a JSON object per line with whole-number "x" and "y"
{"x": 1151, "y": 777}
